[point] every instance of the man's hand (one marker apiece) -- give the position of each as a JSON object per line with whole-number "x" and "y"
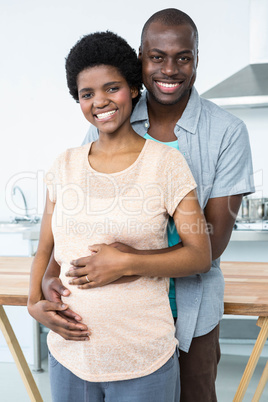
{"x": 125, "y": 248}
{"x": 48, "y": 314}
{"x": 103, "y": 266}
{"x": 106, "y": 265}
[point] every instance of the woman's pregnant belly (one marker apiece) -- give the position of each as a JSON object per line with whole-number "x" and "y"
{"x": 132, "y": 330}
{"x": 118, "y": 308}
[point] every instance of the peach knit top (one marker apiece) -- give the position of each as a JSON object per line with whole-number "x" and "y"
{"x": 132, "y": 324}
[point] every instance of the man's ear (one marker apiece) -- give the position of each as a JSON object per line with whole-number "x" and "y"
{"x": 197, "y": 58}
{"x": 139, "y": 56}
{"x": 134, "y": 92}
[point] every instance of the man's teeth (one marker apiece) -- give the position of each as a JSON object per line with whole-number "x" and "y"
{"x": 104, "y": 115}
{"x": 166, "y": 85}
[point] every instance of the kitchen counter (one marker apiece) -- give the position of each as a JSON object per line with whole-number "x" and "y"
{"x": 237, "y": 235}
{"x": 245, "y": 293}
{"x": 249, "y": 235}
{"x": 14, "y": 284}
{"x": 19, "y": 239}
{"x": 31, "y": 232}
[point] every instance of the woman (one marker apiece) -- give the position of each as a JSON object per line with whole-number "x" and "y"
{"x": 119, "y": 188}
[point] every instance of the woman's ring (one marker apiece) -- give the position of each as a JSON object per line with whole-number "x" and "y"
{"x": 87, "y": 279}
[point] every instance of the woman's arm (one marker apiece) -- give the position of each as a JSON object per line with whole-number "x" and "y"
{"x": 53, "y": 289}
{"x": 108, "y": 264}
{"x": 43, "y": 253}
{"x": 44, "y": 311}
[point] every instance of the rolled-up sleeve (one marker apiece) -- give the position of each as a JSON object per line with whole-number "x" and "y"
{"x": 234, "y": 172}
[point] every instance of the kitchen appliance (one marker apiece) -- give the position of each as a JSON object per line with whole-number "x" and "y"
{"x": 249, "y": 86}
{"x": 253, "y": 210}
{"x": 253, "y": 214}
{"x": 257, "y": 226}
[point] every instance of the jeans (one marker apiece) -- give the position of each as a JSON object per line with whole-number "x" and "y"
{"x": 161, "y": 386}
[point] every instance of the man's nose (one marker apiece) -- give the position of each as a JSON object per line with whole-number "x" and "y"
{"x": 170, "y": 67}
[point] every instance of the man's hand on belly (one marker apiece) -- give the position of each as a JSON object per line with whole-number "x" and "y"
{"x": 104, "y": 266}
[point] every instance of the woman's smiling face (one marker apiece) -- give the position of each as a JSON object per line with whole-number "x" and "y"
{"x": 105, "y": 98}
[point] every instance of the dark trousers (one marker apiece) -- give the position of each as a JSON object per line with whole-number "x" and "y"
{"x": 198, "y": 368}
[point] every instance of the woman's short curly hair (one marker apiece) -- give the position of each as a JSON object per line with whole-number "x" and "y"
{"x": 103, "y": 48}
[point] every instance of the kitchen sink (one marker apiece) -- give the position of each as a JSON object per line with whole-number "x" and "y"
{"x": 18, "y": 227}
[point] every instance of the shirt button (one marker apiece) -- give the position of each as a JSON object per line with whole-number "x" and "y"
{"x": 146, "y": 124}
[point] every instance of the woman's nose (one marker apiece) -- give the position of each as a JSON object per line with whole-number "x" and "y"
{"x": 101, "y": 101}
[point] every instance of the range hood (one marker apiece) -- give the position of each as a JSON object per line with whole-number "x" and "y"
{"x": 249, "y": 86}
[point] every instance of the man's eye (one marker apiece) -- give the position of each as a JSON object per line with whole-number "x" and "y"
{"x": 184, "y": 58}
{"x": 156, "y": 58}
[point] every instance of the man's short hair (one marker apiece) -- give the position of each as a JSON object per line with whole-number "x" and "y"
{"x": 170, "y": 17}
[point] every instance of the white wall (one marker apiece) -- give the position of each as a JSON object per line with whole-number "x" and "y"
{"x": 257, "y": 124}
{"x": 39, "y": 118}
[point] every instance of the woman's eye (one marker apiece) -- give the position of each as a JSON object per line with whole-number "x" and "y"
{"x": 87, "y": 96}
{"x": 113, "y": 89}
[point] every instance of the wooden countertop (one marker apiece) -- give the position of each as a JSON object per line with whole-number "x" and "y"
{"x": 14, "y": 280}
{"x": 246, "y": 285}
{"x": 246, "y": 293}
{"x": 246, "y": 288}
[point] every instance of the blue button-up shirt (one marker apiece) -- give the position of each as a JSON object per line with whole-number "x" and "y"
{"x": 216, "y": 146}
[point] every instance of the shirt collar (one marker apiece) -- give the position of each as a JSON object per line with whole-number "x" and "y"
{"x": 189, "y": 119}
{"x": 140, "y": 111}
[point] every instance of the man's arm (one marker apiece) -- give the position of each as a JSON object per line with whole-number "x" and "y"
{"x": 220, "y": 214}
{"x": 108, "y": 264}
{"x": 233, "y": 178}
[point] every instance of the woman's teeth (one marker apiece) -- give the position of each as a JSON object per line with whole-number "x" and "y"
{"x": 105, "y": 115}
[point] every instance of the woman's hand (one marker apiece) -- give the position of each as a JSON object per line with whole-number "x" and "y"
{"x": 48, "y": 314}
{"x": 53, "y": 290}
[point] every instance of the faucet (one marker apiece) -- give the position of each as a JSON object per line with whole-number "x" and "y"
{"x": 26, "y": 217}
{"x": 24, "y": 199}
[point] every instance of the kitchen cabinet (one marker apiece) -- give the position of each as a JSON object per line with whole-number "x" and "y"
{"x": 247, "y": 245}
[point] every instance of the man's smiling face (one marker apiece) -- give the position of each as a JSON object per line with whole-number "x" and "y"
{"x": 169, "y": 61}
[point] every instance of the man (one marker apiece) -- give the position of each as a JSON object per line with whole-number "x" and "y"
{"x": 216, "y": 147}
